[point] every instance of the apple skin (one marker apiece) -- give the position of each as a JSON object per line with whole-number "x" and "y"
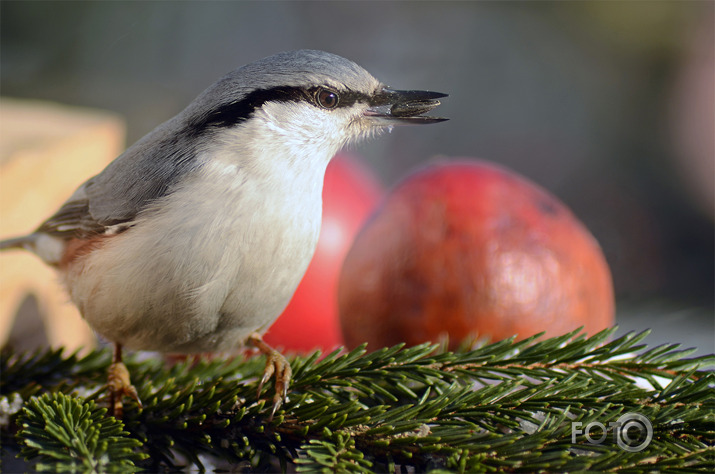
{"x": 465, "y": 248}
{"x": 310, "y": 321}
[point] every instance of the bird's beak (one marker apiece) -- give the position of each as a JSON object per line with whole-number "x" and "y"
{"x": 391, "y": 107}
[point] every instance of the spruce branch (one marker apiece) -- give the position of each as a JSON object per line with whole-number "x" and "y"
{"x": 506, "y": 406}
{"x": 66, "y": 434}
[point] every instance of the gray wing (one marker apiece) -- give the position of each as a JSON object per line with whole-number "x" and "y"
{"x": 73, "y": 219}
{"x": 149, "y": 169}
{"x": 145, "y": 172}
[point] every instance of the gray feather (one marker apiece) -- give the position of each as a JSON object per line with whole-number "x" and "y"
{"x": 151, "y": 168}
{"x": 17, "y": 242}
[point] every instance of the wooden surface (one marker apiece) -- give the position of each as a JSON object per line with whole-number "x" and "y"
{"x": 46, "y": 151}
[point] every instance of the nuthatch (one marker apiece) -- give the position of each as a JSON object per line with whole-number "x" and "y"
{"x": 195, "y": 238}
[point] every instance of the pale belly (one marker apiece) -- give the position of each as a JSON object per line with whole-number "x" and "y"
{"x": 201, "y": 287}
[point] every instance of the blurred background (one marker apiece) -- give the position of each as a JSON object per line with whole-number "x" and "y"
{"x": 609, "y": 105}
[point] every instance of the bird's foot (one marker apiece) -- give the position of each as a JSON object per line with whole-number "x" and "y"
{"x": 276, "y": 365}
{"x": 119, "y": 385}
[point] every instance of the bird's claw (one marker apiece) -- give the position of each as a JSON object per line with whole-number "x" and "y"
{"x": 276, "y": 365}
{"x": 120, "y": 386}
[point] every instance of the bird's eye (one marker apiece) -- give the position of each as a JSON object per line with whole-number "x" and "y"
{"x": 326, "y": 98}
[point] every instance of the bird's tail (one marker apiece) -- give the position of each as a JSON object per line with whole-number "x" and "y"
{"x": 23, "y": 242}
{"x": 50, "y": 249}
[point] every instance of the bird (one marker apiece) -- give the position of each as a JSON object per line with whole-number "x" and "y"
{"x": 195, "y": 238}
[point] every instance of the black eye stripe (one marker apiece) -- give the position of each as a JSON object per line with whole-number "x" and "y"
{"x": 348, "y": 98}
{"x": 233, "y": 113}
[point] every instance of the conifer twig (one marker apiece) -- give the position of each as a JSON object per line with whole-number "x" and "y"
{"x": 506, "y": 406}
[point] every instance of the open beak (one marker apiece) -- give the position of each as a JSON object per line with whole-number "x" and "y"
{"x": 391, "y": 107}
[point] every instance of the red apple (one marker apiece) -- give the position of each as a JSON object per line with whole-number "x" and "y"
{"x": 466, "y": 248}
{"x": 311, "y": 320}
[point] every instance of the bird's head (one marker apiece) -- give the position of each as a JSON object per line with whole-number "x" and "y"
{"x": 310, "y": 102}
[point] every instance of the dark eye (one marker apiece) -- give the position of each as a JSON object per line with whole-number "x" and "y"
{"x": 327, "y": 99}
